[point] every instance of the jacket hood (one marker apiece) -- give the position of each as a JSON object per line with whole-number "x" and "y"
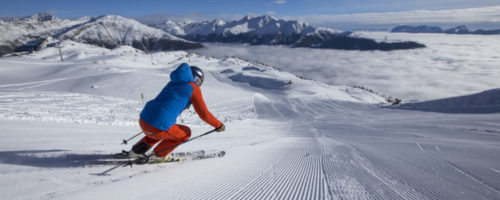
{"x": 182, "y": 74}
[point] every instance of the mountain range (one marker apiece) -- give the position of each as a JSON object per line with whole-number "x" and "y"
{"x": 268, "y": 30}
{"x": 436, "y": 29}
{"x": 110, "y": 31}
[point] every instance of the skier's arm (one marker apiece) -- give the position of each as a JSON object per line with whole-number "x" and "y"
{"x": 201, "y": 108}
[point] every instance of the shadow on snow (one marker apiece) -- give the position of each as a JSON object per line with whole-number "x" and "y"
{"x": 55, "y": 158}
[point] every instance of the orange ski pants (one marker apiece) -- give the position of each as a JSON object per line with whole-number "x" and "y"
{"x": 173, "y": 136}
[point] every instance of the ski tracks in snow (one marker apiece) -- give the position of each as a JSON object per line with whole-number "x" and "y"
{"x": 350, "y": 175}
{"x": 289, "y": 167}
{"x": 68, "y": 107}
{"x": 460, "y": 170}
{"x": 295, "y": 174}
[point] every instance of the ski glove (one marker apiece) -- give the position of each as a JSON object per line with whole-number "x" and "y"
{"x": 221, "y": 128}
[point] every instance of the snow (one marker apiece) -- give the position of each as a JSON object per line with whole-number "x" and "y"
{"x": 286, "y": 137}
{"x": 238, "y": 29}
{"x": 172, "y": 28}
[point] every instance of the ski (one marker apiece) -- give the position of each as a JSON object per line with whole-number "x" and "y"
{"x": 145, "y": 158}
{"x": 125, "y": 154}
{"x": 216, "y": 154}
{"x": 128, "y": 161}
{"x": 188, "y": 153}
{"x": 177, "y": 157}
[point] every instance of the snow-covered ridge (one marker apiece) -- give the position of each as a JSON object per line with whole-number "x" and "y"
{"x": 436, "y": 29}
{"x": 110, "y": 31}
{"x": 269, "y": 30}
{"x": 115, "y": 26}
{"x": 483, "y": 102}
{"x": 42, "y": 24}
{"x": 28, "y": 30}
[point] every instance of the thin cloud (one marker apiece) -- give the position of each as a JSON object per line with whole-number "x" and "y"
{"x": 161, "y": 17}
{"x": 270, "y": 12}
{"x": 279, "y": 2}
{"x": 470, "y": 15}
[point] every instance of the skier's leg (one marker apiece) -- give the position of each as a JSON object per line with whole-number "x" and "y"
{"x": 144, "y": 145}
{"x": 175, "y": 135}
{"x": 148, "y": 141}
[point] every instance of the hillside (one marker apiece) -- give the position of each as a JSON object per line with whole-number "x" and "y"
{"x": 483, "y": 102}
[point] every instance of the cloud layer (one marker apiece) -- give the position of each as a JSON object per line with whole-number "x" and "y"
{"x": 451, "y": 65}
{"x": 456, "y": 16}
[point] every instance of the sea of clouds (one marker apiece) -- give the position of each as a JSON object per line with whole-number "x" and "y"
{"x": 450, "y": 65}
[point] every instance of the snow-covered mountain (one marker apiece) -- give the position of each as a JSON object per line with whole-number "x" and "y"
{"x": 17, "y": 33}
{"x": 259, "y": 27}
{"x": 269, "y": 30}
{"x": 112, "y": 31}
{"x": 107, "y": 31}
{"x": 416, "y": 29}
{"x": 435, "y": 29}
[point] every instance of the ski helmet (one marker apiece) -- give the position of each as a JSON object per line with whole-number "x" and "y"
{"x": 197, "y": 75}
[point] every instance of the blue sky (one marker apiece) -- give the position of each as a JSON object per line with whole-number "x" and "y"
{"x": 311, "y": 11}
{"x": 214, "y": 8}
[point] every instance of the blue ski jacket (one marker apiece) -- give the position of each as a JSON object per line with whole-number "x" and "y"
{"x": 179, "y": 93}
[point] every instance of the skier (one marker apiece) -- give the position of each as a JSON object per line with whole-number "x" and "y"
{"x": 158, "y": 118}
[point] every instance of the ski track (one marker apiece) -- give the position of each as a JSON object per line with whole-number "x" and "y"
{"x": 350, "y": 177}
{"x": 405, "y": 187}
{"x": 60, "y": 107}
{"x": 289, "y": 178}
{"x": 428, "y": 190}
{"x": 297, "y": 174}
{"x": 371, "y": 179}
{"x": 472, "y": 177}
{"x": 462, "y": 171}
{"x": 34, "y": 84}
{"x": 495, "y": 170}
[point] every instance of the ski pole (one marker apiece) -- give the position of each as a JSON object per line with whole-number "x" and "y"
{"x": 145, "y": 158}
{"x": 125, "y": 141}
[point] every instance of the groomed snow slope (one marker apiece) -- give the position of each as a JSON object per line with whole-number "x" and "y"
{"x": 304, "y": 140}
